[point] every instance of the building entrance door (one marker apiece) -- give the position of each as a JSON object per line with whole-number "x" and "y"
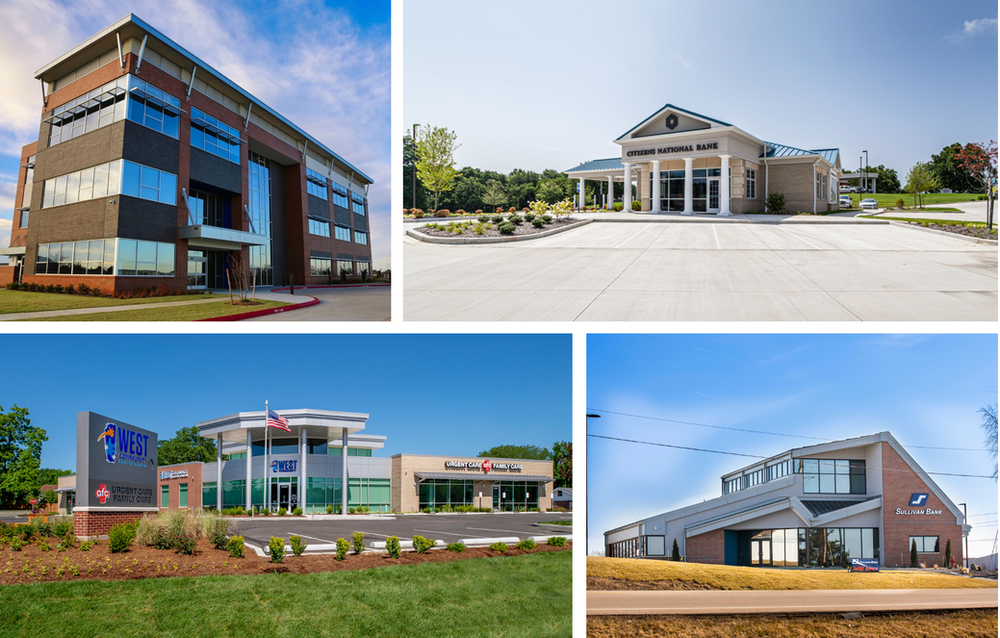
{"x": 713, "y": 195}
{"x": 197, "y": 270}
{"x": 760, "y": 548}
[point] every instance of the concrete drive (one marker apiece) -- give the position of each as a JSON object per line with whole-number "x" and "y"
{"x": 336, "y": 304}
{"x": 622, "y": 603}
{"x": 665, "y": 271}
{"x": 447, "y": 528}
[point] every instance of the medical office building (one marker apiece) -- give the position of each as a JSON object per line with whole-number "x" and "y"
{"x": 812, "y": 506}
{"x": 682, "y": 162}
{"x": 152, "y": 170}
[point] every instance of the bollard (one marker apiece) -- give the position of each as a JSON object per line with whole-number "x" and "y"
{"x": 291, "y": 282}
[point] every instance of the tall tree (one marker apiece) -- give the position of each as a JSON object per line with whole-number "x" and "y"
{"x": 549, "y": 191}
{"x": 435, "y": 159}
{"x": 494, "y": 194}
{"x": 48, "y": 476}
{"x": 949, "y": 172}
{"x": 989, "y": 425}
{"x": 517, "y": 452}
{"x": 562, "y": 463}
{"x": 920, "y": 180}
{"x": 980, "y": 161}
{"x": 187, "y": 447}
{"x": 20, "y": 456}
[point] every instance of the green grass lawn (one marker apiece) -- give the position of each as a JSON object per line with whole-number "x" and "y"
{"x": 510, "y": 597}
{"x": 193, "y": 312}
{"x": 14, "y": 301}
{"x": 887, "y": 200}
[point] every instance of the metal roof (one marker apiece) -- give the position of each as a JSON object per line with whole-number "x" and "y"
{"x": 781, "y": 150}
{"x": 819, "y": 508}
{"x": 610, "y": 164}
{"x": 482, "y": 476}
{"x": 202, "y": 66}
{"x": 678, "y": 109}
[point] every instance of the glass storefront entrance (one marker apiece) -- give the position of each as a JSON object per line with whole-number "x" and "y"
{"x": 197, "y": 270}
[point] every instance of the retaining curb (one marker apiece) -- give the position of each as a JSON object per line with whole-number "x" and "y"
{"x": 977, "y": 240}
{"x": 262, "y": 313}
{"x": 412, "y": 232}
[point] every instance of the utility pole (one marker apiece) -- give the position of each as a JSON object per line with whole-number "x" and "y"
{"x": 414, "y": 200}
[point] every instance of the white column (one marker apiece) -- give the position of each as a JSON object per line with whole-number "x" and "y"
{"x": 249, "y": 469}
{"x": 343, "y": 472}
{"x": 654, "y": 195}
{"x": 627, "y": 192}
{"x": 688, "y": 187}
{"x": 302, "y": 472}
{"x": 610, "y": 201}
{"x": 724, "y": 190}
{"x": 583, "y": 196}
{"x": 218, "y": 473}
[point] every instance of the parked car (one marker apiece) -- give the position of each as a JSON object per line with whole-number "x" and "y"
{"x": 846, "y": 201}
{"x": 868, "y": 202}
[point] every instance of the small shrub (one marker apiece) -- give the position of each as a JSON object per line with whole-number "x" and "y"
{"x": 496, "y": 219}
{"x": 900, "y": 204}
{"x": 392, "y": 546}
{"x": 329, "y": 509}
{"x": 528, "y": 216}
{"x": 86, "y": 545}
{"x": 514, "y": 219}
{"x": 444, "y": 212}
{"x": 120, "y": 536}
{"x": 351, "y": 510}
{"x": 26, "y": 532}
{"x": 547, "y": 218}
{"x": 62, "y": 528}
{"x": 483, "y": 219}
{"x": 417, "y": 213}
{"x": 422, "y": 544}
{"x": 44, "y": 546}
{"x": 498, "y": 547}
{"x": 675, "y": 552}
{"x": 506, "y": 228}
{"x": 236, "y": 547}
{"x": 84, "y": 289}
{"x": 342, "y": 547}
{"x": 776, "y": 203}
{"x": 456, "y": 547}
{"x": 538, "y": 222}
{"x": 183, "y": 543}
{"x": 358, "y": 540}
{"x": 265, "y": 512}
{"x": 460, "y": 212}
{"x": 479, "y": 211}
{"x": 511, "y": 209}
{"x": 557, "y": 541}
{"x": 297, "y": 545}
{"x": 526, "y": 544}
{"x": 216, "y": 530}
{"x": 277, "y": 549}
{"x": 618, "y": 207}
{"x": 282, "y": 511}
{"x": 16, "y": 544}
{"x": 297, "y": 511}
{"x": 636, "y": 204}
{"x": 70, "y": 290}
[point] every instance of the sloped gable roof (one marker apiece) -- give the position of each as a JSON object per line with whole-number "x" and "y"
{"x": 673, "y": 108}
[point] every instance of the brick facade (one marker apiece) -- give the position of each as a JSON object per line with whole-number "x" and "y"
{"x": 709, "y": 548}
{"x": 898, "y": 484}
{"x": 193, "y": 480}
{"x": 94, "y": 524}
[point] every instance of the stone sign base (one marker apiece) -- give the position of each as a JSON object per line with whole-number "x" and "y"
{"x": 91, "y": 523}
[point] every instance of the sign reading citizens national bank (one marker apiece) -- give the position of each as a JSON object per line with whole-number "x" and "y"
{"x": 116, "y": 464}
{"x": 666, "y": 150}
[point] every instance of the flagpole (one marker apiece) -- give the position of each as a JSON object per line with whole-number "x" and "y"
{"x": 267, "y": 477}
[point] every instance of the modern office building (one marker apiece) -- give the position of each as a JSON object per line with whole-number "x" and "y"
{"x": 812, "y": 506}
{"x": 326, "y": 450}
{"x": 154, "y": 170}
{"x": 677, "y": 159}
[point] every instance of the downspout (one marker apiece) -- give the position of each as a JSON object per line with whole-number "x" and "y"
{"x": 815, "y": 164}
{"x": 767, "y": 177}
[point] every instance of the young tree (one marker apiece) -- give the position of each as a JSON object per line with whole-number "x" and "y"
{"x": 435, "y": 159}
{"x": 914, "y": 559}
{"x": 20, "y": 456}
{"x": 186, "y": 447}
{"x": 517, "y": 452}
{"x": 494, "y": 194}
{"x": 920, "y": 180}
{"x": 947, "y": 554}
{"x": 980, "y": 161}
{"x": 675, "y": 553}
{"x": 562, "y": 463}
{"x": 549, "y": 191}
{"x": 989, "y": 426}
{"x": 409, "y": 171}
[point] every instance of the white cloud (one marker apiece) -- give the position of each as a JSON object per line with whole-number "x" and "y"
{"x": 980, "y": 25}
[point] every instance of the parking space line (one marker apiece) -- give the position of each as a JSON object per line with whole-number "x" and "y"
{"x": 490, "y": 529}
{"x": 800, "y": 238}
{"x": 718, "y": 245}
{"x": 633, "y": 236}
{"x": 316, "y": 539}
{"x": 434, "y": 531}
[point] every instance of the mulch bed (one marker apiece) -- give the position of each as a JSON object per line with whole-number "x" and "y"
{"x": 600, "y": 583}
{"x": 524, "y": 228}
{"x": 27, "y": 565}
{"x": 980, "y": 232}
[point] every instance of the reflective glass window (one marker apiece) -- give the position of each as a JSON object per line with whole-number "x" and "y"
{"x": 339, "y": 195}
{"x": 343, "y": 233}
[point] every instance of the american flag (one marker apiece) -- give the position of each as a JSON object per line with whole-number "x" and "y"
{"x": 275, "y": 420}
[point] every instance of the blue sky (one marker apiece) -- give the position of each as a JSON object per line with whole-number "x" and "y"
{"x": 541, "y": 85}
{"x": 323, "y": 65}
{"x": 429, "y": 394}
{"x": 924, "y": 389}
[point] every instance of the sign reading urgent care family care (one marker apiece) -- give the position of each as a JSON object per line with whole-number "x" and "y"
{"x": 116, "y": 464}
{"x": 486, "y": 466}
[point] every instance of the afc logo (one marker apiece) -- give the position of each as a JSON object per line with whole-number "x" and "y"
{"x": 102, "y": 493}
{"x": 918, "y": 499}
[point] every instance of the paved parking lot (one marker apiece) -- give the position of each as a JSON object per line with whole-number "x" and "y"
{"x": 338, "y": 304}
{"x": 442, "y": 527}
{"x": 708, "y": 271}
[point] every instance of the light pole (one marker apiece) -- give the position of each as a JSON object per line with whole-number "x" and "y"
{"x": 866, "y": 170}
{"x": 414, "y": 200}
{"x": 965, "y": 537}
{"x": 587, "y": 540}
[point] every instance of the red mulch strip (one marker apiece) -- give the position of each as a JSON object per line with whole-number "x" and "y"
{"x": 600, "y": 583}
{"x": 27, "y": 565}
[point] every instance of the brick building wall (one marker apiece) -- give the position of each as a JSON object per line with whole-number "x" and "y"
{"x": 898, "y": 484}
{"x": 709, "y": 548}
{"x": 193, "y": 480}
{"x": 94, "y": 524}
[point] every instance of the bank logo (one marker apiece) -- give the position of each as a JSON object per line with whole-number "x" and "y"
{"x": 109, "y": 443}
{"x": 283, "y": 466}
{"x": 671, "y": 121}
{"x": 918, "y": 499}
{"x": 102, "y": 493}
{"x": 487, "y": 466}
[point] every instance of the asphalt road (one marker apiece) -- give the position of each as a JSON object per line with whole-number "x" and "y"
{"x": 336, "y": 304}
{"x": 620, "y": 603}
{"x": 441, "y": 527}
{"x": 662, "y": 270}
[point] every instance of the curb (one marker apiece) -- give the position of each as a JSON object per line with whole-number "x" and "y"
{"x": 374, "y": 284}
{"x": 817, "y": 220}
{"x": 412, "y": 232}
{"x": 262, "y": 313}
{"x": 958, "y": 236}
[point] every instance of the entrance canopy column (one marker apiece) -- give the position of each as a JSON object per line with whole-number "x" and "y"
{"x": 627, "y": 194}
{"x": 302, "y": 475}
{"x": 343, "y": 472}
{"x": 688, "y": 187}
{"x": 249, "y": 471}
{"x": 610, "y": 199}
{"x": 724, "y": 210}
{"x": 654, "y": 195}
{"x": 218, "y": 472}
{"x": 583, "y": 194}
